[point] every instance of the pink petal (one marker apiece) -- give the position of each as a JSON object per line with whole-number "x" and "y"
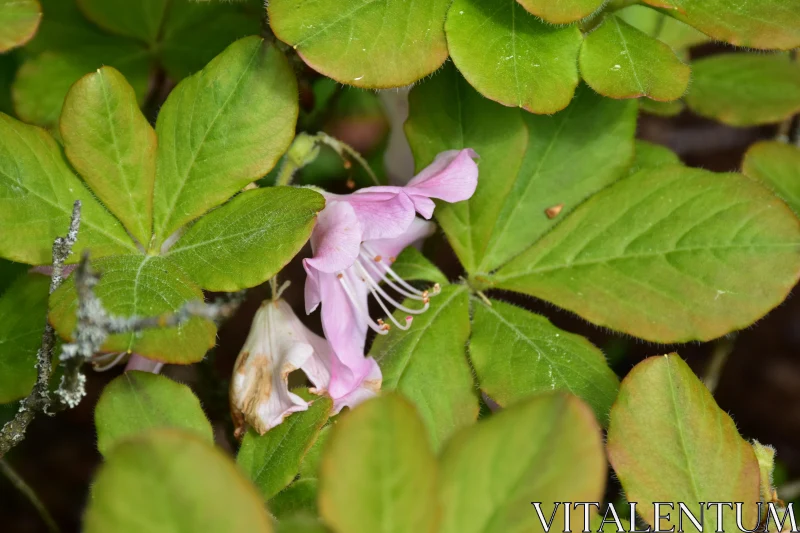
{"x": 336, "y": 239}
{"x": 383, "y": 212}
{"x": 137, "y": 362}
{"x": 452, "y": 177}
{"x": 389, "y": 248}
{"x": 313, "y": 296}
{"x": 368, "y": 388}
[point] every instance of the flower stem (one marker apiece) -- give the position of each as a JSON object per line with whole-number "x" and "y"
{"x": 29, "y": 493}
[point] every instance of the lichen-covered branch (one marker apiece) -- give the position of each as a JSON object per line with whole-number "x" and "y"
{"x": 93, "y": 327}
{"x": 39, "y": 399}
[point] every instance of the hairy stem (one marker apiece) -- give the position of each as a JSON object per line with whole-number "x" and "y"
{"x": 29, "y": 493}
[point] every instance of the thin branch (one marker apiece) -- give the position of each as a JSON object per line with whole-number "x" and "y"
{"x": 722, "y": 351}
{"x": 13, "y": 431}
{"x": 29, "y": 493}
{"x": 93, "y": 327}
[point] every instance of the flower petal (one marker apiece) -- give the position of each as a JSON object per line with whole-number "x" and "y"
{"x": 383, "y": 211}
{"x": 389, "y": 248}
{"x": 137, "y": 362}
{"x": 336, "y": 239}
{"x": 368, "y": 388}
{"x": 452, "y": 177}
{"x": 259, "y": 388}
{"x": 312, "y": 292}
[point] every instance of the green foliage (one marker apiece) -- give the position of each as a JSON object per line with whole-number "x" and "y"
{"x": 619, "y": 61}
{"x": 517, "y": 354}
{"x": 776, "y": 165}
{"x": 36, "y": 183}
{"x": 141, "y": 285}
{"x": 767, "y": 24}
{"x": 379, "y": 472}
{"x": 511, "y": 56}
{"x": 133, "y": 37}
{"x": 428, "y": 363}
{"x": 678, "y": 35}
{"x": 412, "y": 265}
{"x": 373, "y": 43}
{"x": 277, "y": 219}
{"x": 668, "y": 255}
{"x": 745, "y": 89}
{"x": 166, "y": 481}
{"x": 19, "y": 20}
{"x": 23, "y": 312}
{"x": 665, "y": 425}
{"x": 273, "y": 460}
{"x": 220, "y": 130}
{"x": 113, "y": 147}
{"x": 298, "y": 498}
{"x": 526, "y": 166}
{"x": 138, "y": 401}
{"x": 246, "y": 95}
{"x": 547, "y": 449}
{"x": 561, "y": 12}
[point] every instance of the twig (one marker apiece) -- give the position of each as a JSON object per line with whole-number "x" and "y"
{"x": 13, "y": 431}
{"x": 94, "y": 326}
{"x": 722, "y": 351}
{"x": 29, "y": 493}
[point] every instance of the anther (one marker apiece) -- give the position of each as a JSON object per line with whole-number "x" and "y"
{"x": 378, "y": 259}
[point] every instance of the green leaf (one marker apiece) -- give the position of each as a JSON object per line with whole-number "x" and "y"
{"x": 619, "y": 61}
{"x": 23, "y": 313}
{"x": 272, "y": 460}
{"x": 172, "y": 481}
{"x": 661, "y": 109}
{"x": 601, "y": 130}
{"x": 140, "y": 19}
{"x": 137, "y": 401}
{"x": 517, "y": 353}
{"x": 669, "y": 254}
{"x": 767, "y": 24}
{"x": 512, "y": 57}
{"x": 19, "y": 20}
{"x": 367, "y": 43}
{"x": 248, "y": 240}
{"x": 141, "y": 286}
{"x": 428, "y": 363}
{"x": 412, "y": 265}
{"x": 745, "y": 89}
{"x": 561, "y": 12}
{"x": 113, "y": 147}
{"x": 678, "y": 35}
{"x": 194, "y": 32}
{"x": 9, "y": 272}
{"x": 222, "y": 129}
{"x": 546, "y": 449}
{"x": 378, "y": 472}
{"x": 43, "y": 82}
{"x": 37, "y": 191}
{"x": 438, "y": 121}
{"x": 299, "y": 497}
{"x": 301, "y": 524}
{"x": 310, "y": 464}
{"x": 666, "y": 426}
{"x": 652, "y": 155}
{"x": 776, "y": 165}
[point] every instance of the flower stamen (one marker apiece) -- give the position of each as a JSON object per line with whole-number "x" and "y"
{"x": 361, "y": 313}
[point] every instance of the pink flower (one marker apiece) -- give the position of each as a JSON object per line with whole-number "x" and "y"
{"x": 356, "y": 239}
{"x": 278, "y": 344}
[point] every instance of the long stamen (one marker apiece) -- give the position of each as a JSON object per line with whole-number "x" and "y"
{"x": 401, "y": 281}
{"x": 385, "y": 309}
{"x": 375, "y": 286}
{"x": 110, "y": 365}
{"x": 363, "y": 314}
{"x": 416, "y": 295}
